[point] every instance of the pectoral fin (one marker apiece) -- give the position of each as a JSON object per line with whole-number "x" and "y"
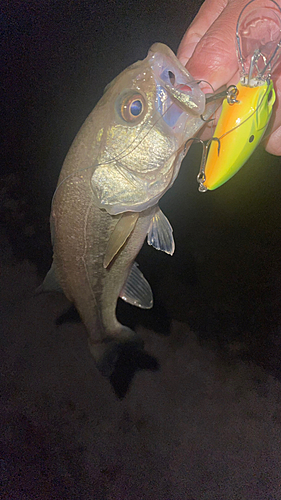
{"x": 121, "y": 233}
{"x": 160, "y": 234}
{"x": 136, "y": 290}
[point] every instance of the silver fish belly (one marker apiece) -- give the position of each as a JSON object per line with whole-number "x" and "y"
{"x": 124, "y": 158}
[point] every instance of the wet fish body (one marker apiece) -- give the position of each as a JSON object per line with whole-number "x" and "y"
{"x": 124, "y": 158}
{"x": 78, "y": 264}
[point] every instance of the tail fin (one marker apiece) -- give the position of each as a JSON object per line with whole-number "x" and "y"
{"x": 119, "y": 360}
{"x": 107, "y": 352}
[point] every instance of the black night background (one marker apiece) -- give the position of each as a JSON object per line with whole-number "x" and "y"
{"x": 201, "y": 421}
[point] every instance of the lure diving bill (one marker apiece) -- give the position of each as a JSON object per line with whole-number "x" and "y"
{"x": 247, "y": 109}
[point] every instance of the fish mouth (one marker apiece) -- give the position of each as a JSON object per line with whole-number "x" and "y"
{"x": 178, "y": 95}
{"x": 174, "y": 78}
{"x": 172, "y": 114}
{"x": 183, "y": 95}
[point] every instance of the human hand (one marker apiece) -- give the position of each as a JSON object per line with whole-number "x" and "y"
{"x": 208, "y": 51}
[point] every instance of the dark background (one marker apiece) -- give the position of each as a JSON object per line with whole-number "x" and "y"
{"x": 223, "y": 281}
{"x": 58, "y": 57}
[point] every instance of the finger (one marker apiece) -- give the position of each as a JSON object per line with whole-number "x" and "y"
{"x": 273, "y": 143}
{"x": 214, "y": 58}
{"x": 207, "y": 14}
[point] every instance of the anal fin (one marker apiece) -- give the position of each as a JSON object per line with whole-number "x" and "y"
{"x": 136, "y": 290}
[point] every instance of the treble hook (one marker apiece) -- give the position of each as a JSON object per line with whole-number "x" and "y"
{"x": 252, "y": 73}
{"x": 201, "y": 178}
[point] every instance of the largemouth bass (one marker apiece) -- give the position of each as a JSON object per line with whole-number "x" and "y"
{"x": 125, "y": 157}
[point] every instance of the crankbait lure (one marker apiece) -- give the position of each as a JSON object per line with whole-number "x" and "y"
{"x": 248, "y": 106}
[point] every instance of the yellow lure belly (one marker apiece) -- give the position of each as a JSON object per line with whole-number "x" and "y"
{"x": 240, "y": 128}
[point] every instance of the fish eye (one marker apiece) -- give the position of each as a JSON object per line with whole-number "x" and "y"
{"x": 136, "y": 107}
{"x": 132, "y": 107}
{"x": 251, "y": 138}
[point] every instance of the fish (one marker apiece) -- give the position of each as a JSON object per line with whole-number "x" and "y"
{"x": 126, "y": 155}
{"x": 247, "y": 110}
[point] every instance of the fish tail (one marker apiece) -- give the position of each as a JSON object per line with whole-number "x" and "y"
{"x": 107, "y": 352}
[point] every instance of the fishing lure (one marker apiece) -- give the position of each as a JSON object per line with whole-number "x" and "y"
{"x": 247, "y": 109}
